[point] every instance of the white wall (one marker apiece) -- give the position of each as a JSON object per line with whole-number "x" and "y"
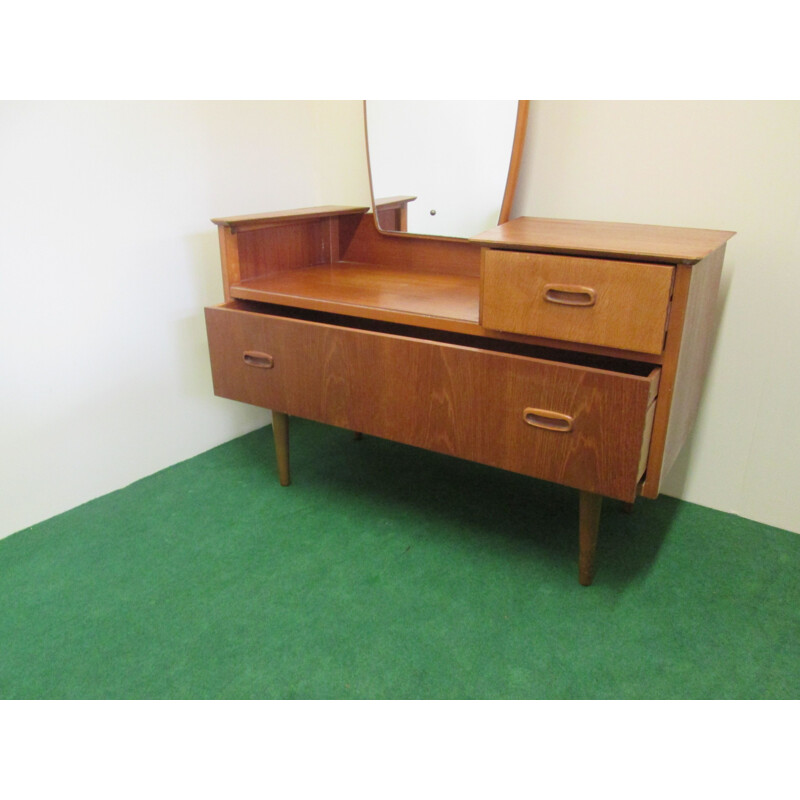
{"x": 728, "y": 165}
{"x": 107, "y": 258}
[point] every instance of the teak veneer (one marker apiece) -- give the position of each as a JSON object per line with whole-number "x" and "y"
{"x": 569, "y": 351}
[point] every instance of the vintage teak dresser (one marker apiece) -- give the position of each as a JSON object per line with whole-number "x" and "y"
{"x": 569, "y": 351}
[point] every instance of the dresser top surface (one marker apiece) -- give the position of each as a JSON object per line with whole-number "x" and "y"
{"x": 606, "y": 238}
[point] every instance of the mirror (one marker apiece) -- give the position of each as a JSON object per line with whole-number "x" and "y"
{"x": 443, "y": 168}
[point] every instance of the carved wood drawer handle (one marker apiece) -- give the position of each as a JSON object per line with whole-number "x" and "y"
{"x": 549, "y": 420}
{"x": 569, "y": 295}
{"x": 255, "y": 359}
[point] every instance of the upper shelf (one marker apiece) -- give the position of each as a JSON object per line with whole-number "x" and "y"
{"x": 630, "y": 240}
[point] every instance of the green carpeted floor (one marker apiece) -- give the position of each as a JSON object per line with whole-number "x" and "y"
{"x": 389, "y": 572}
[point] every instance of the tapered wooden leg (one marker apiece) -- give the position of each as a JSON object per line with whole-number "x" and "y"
{"x": 590, "y": 505}
{"x": 280, "y": 430}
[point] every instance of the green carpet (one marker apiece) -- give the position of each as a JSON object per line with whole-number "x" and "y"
{"x": 389, "y": 572}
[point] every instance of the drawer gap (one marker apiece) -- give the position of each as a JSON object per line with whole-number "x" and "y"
{"x": 609, "y": 363}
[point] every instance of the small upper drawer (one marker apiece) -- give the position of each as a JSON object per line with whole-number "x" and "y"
{"x": 617, "y": 304}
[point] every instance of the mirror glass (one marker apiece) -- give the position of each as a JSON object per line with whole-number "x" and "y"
{"x": 439, "y": 167}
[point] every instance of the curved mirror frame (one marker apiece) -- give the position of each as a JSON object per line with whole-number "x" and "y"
{"x": 390, "y": 213}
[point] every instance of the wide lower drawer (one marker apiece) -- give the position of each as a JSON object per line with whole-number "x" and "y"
{"x": 587, "y": 300}
{"x": 576, "y": 425}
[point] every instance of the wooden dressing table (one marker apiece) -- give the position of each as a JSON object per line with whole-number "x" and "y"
{"x": 569, "y": 351}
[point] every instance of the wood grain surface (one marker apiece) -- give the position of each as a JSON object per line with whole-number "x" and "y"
{"x": 413, "y": 253}
{"x": 246, "y": 221}
{"x": 621, "y": 239}
{"x": 687, "y": 354}
{"x": 266, "y": 251}
{"x": 457, "y": 400}
{"x": 338, "y": 287}
{"x": 628, "y": 307}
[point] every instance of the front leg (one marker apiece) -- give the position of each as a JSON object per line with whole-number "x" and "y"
{"x": 280, "y": 431}
{"x": 589, "y": 505}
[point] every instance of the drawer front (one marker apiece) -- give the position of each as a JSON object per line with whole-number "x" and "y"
{"x": 573, "y": 425}
{"x": 592, "y": 301}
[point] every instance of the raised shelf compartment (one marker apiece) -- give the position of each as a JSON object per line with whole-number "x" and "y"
{"x": 334, "y": 260}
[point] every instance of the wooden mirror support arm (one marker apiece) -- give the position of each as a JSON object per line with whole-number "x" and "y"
{"x": 520, "y": 130}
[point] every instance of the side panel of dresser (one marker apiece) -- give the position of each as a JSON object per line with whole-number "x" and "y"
{"x": 687, "y": 353}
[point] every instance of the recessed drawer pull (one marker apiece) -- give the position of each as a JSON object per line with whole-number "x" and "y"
{"x": 255, "y": 359}
{"x": 569, "y": 295}
{"x": 549, "y": 420}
